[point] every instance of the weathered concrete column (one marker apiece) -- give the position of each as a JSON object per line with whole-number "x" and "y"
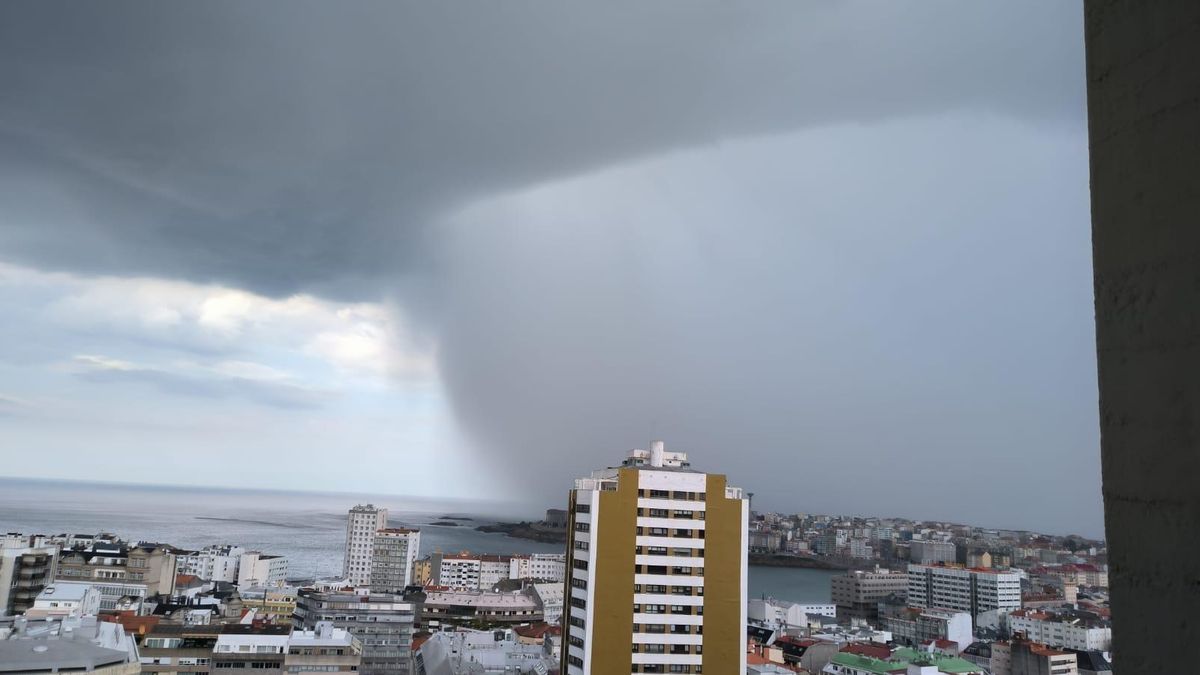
{"x": 1143, "y": 71}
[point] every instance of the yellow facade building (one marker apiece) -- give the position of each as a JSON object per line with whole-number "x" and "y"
{"x": 656, "y": 573}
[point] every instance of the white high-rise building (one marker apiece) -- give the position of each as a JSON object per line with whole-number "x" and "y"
{"x": 656, "y": 574}
{"x": 966, "y": 590}
{"x": 361, "y": 525}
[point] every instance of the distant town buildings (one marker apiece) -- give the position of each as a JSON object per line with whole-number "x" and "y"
{"x": 657, "y": 574}
{"x": 361, "y": 525}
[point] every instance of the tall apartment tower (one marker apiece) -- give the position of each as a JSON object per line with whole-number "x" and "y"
{"x": 361, "y": 526}
{"x": 656, "y": 573}
{"x": 394, "y": 557}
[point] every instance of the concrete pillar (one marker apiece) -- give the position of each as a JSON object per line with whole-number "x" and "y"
{"x": 1143, "y": 73}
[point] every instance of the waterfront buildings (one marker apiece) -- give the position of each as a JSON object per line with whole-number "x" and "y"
{"x": 24, "y": 572}
{"x": 857, "y": 593}
{"x": 539, "y": 566}
{"x": 657, "y": 574}
{"x": 120, "y": 570}
{"x": 967, "y": 590}
{"x": 211, "y": 563}
{"x": 361, "y": 525}
{"x": 393, "y": 558}
{"x": 259, "y": 569}
{"x": 382, "y": 622}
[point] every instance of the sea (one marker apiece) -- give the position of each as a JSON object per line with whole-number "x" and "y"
{"x": 307, "y": 527}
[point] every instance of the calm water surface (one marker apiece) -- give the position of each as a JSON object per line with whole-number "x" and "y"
{"x": 307, "y": 527}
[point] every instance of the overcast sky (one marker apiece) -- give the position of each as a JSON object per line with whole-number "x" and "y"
{"x": 838, "y": 251}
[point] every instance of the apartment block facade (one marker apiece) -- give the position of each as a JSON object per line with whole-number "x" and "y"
{"x": 963, "y": 589}
{"x": 656, "y": 580}
{"x": 361, "y": 525}
{"x": 393, "y": 557}
{"x": 857, "y": 593}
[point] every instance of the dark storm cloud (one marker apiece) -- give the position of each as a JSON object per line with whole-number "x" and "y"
{"x": 287, "y": 146}
{"x": 341, "y": 149}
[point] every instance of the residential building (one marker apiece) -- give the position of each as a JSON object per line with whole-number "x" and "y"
{"x": 57, "y": 602}
{"x": 931, "y": 552}
{"x": 967, "y": 590}
{"x": 325, "y": 649}
{"x": 361, "y": 525}
{"x": 901, "y": 662}
{"x": 24, "y": 572}
{"x": 211, "y": 563}
{"x": 657, "y": 574}
{"x": 276, "y": 604}
{"x": 261, "y": 649}
{"x": 479, "y": 608}
{"x": 857, "y": 593}
{"x": 1022, "y": 657}
{"x": 120, "y": 570}
{"x": 1068, "y": 630}
{"x": 382, "y": 622}
{"x": 917, "y": 626}
{"x": 474, "y": 652}
{"x": 538, "y": 566}
{"x": 393, "y": 558}
{"x": 550, "y": 597}
{"x": 470, "y": 571}
{"x": 179, "y": 648}
{"x": 260, "y": 569}
{"x": 785, "y": 613}
{"x": 423, "y": 571}
{"x": 65, "y": 645}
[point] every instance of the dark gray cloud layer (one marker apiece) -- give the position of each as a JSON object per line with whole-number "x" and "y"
{"x": 351, "y": 150}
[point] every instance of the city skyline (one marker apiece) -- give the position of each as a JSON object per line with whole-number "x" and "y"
{"x": 506, "y": 252}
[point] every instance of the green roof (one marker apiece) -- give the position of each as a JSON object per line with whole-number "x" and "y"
{"x": 861, "y": 662}
{"x": 900, "y": 660}
{"x": 945, "y": 663}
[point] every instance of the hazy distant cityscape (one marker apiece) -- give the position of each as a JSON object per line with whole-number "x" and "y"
{"x": 164, "y": 580}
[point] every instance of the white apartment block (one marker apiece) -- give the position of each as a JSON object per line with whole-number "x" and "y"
{"x": 361, "y": 525}
{"x": 211, "y": 563}
{"x": 542, "y": 566}
{"x": 258, "y": 569}
{"x": 965, "y": 590}
{"x": 657, "y": 574}
{"x": 1060, "y": 631}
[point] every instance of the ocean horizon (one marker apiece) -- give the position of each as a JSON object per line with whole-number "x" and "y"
{"x": 306, "y": 526}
